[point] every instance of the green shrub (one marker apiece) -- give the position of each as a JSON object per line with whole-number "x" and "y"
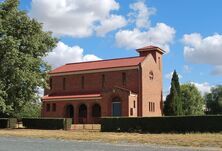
{"x": 8, "y": 122}
{"x": 30, "y": 110}
{"x": 166, "y": 124}
{"x": 3, "y": 122}
{"x": 47, "y": 123}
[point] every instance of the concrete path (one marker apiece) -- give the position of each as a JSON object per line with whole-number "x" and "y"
{"x": 37, "y": 144}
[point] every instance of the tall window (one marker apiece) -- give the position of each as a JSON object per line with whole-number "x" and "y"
{"x": 124, "y": 78}
{"x": 116, "y": 107}
{"x": 131, "y": 111}
{"x": 151, "y": 107}
{"x": 50, "y": 83}
{"x": 48, "y": 107}
{"x": 53, "y": 107}
{"x": 64, "y": 83}
{"x": 103, "y": 81}
{"x": 134, "y": 104}
{"x": 159, "y": 63}
{"x": 83, "y": 82}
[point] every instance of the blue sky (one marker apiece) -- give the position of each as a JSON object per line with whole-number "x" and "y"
{"x": 190, "y": 30}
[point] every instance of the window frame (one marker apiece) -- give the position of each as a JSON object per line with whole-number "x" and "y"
{"x": 64, "y": 83}
{"x": 54, "y": 107}
{"x": 124, "y": 78}
{"x": 103, "y": 80}
{"x": 48, "y": 107}
{"x": 83, "y": 82}
{"x": 50, "y": 83}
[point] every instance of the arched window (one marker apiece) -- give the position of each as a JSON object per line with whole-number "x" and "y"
{"x": 96, "y": 110}
{"x": 69, "y": 112}
{"x": 151, "y": 75}
{"x": 82, "y": 114}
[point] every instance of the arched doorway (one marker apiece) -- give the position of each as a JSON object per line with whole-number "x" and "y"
{"x": 69, "y": 112}
{"x": 116, "y": 107}
{"x": 96, "y": 113}
{"x": 82, "y": 114}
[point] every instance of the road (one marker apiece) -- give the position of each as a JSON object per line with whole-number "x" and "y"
{"x": 37, "y": 144}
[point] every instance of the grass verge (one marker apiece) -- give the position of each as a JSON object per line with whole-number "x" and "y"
{"x": 190, "y": 139}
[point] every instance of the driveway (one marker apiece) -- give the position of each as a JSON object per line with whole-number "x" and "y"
{"x": 37, "y": 144}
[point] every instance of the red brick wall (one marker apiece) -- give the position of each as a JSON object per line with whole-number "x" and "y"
{"x": 106, "y": 101}
{"x": 93, "y": 82}
{"x": 152, "y": 89}
{"x": 61, "y": 109}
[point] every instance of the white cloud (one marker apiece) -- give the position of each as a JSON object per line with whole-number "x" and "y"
{"x": 40, "y": 91}
{"x": 161, "y": 35}
{"x": 217, "y": 70}
{"x": 90, "y": 57}
{"x": 141, "y": 14}
{"x": 76, "y": 18}
{"x": 63, "y": 54}
{"x": 144, "y": 34}
{"x": 169, "y": 75}
{"x": 203, "y": 87}
{"x": 202, "y": 50}
{"x": 186, "y": 68}
{"x": 112, "y": 23}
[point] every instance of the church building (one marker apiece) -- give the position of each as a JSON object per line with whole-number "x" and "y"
{"x": 86, "y": 91}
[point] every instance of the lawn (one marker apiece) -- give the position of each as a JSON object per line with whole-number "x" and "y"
{"x": 191, "y": 139}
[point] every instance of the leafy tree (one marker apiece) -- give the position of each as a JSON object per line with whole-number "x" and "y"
{"x": 30, "y": 109}
{"x": 173, "y": 103}
{"x": 214, "y": 100}
{"x": 23, "y": 44}
{"x": 193, "y": 102}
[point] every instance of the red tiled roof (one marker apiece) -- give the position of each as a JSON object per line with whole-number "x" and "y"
{"x": 101, "y": 64}
{"x": 46, "y": 97}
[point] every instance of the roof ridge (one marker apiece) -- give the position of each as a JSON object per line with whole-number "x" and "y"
{"x": 104, "y": 60}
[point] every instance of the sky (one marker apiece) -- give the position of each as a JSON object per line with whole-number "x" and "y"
{"x": 189, "y": 31}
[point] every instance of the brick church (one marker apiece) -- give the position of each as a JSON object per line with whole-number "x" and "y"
{"x": 127, "y": 87}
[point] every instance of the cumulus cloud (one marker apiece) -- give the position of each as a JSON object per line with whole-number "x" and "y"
{"x": 141, "y": 14}
{"x": 161, "y": 35}
{"x": 110, "y": 24}
{"x": 143, "y": 34}
{"x": 40, "y": 92}
{"x": 169, "y": 75}
{"x": 76, "y": 18}
{"x": 204, "y": 50}
{"x": 203, "y": 87}
{"x": 63, "y": 54}
{"x": 217, "y": 70}
{"x": 187, "y": 68}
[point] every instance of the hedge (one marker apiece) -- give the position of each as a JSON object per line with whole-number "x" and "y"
{"x": 47, "y": 123}
{"x": 165, "y": 124}
{"x": 8, "y": 122}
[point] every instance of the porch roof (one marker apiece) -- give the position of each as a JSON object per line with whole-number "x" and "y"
{"x": 72, "y": 97}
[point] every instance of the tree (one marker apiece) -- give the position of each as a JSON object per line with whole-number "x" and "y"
{"x": 30, "y": 109}
{"x": 23, "y": 44}
{"x": 192, "y": 101}
{"x": 214, "y": 100}
{"x": 173, "y": 104}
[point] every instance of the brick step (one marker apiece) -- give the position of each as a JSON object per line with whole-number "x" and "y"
{"x": 85, "y": 127}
